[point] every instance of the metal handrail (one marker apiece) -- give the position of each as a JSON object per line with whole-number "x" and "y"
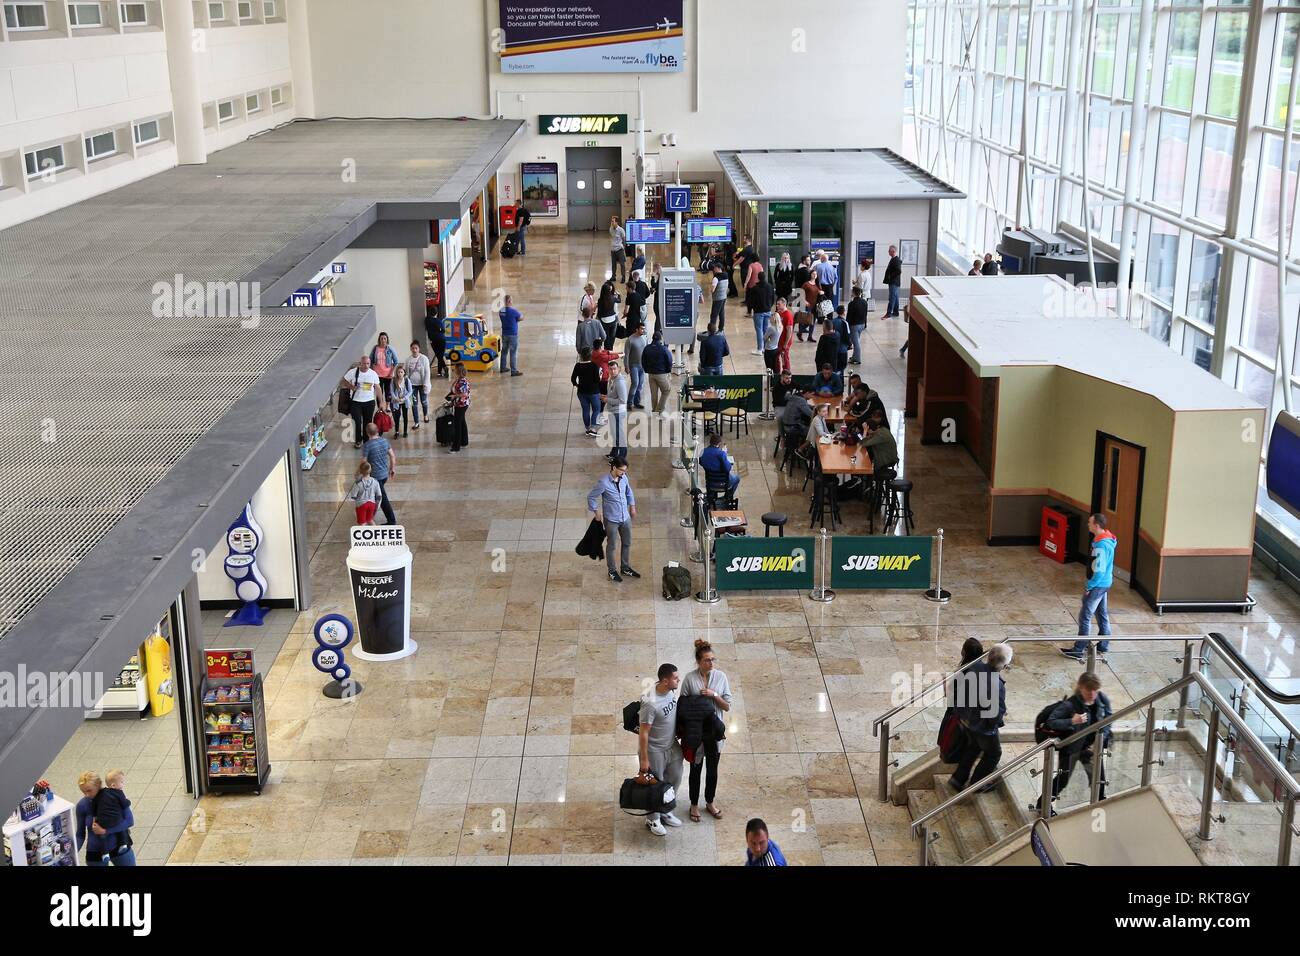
{"x": 1288, "y": 782}
{"x": 1023, "y": 639}
{"x": 1230, "y": 655}
{"x": 1237, "y": 661}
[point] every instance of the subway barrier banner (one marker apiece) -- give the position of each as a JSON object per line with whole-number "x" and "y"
{"x": 880, "y": 561}
{"x": 743, "y": 391}
{"x": 763, "y": 564}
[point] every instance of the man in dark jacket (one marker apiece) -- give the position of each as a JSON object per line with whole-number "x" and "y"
{"x": 841, "y": 326}
{"x": 1086, "y": 706}
{"x": 990, "y": 267}
{"x": 893, "y": 279}
{"x": 981, "y": 706}
{"x": 657, "y": 362}
{"x": 828, "y": 347}
{"x": 713, "y": 349}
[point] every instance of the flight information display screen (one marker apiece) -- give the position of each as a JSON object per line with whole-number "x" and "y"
{"x": 648, "y": 231}
{"x": 708, "y": 230}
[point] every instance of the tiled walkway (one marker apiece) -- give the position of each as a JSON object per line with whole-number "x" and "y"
{"x": 500, "y": 741}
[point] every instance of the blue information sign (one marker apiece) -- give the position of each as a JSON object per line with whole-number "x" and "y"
{"x": 677, "y": 198}
{"x": 648, "y": 231}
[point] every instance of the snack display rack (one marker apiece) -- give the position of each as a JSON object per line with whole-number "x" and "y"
{"x": 311, "y": 442}
{"x": 47, "y": 840}
{"x": 234, "y": 723}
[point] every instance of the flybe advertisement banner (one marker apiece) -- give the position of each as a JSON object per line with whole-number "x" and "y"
{"x": 764, "y": 564}
{"x": 595, "y": 36}
{"x": 880, "y": 561}
{"x": 743, "y": 391}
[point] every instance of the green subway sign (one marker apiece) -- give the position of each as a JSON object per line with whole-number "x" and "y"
{"x": 877, "y": 562}
{"x": 763, "y": 564}
{"x": 743, "y": 391}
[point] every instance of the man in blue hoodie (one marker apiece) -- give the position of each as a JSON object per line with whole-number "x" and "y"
{"x": 1094, "y": 592}
{"x": 760, "y": 849}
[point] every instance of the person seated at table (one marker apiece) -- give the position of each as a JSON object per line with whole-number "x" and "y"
{"x": 879, "y": 441}
{"x": 782, "y": 388}
{"x": 828, "y": 347}
{"x": 820, "y": 427}
{"x": 717, "y": 465}
{"x": 798, "y": 413}
{"x": 828, "y": 381}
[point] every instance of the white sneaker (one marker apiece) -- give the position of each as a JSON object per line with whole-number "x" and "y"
{"x": 670, "y": 819}
{"x": 657, "y": 828}
{"x": 755, "y": 352}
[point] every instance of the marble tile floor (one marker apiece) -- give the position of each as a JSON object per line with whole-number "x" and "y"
{"x": 499, "y": 742}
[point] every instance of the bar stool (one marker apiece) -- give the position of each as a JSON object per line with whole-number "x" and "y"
{"x": 735, "y": 416}
{"x": 824, "y": 498}
{"x": 773, "y": 519}
{"x": 900, "y": 505}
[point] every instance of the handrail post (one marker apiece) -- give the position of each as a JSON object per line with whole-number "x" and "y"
{"x": 1092, "y": 657}
{"x": 1098, "y": 768}
{"x": 1288, "y": 831}
{"x": 1148, "y": 746}
{"x": 1049, "y": 778}
{"x": 1211, "y": 774}
{"x": 882, "y": 784}
{"x": 924, "y": 859}
{"x": 1182, "y": 694}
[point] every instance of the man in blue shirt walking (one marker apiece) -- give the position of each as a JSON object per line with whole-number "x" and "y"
{"x": 510, "y": 319}
{"x": 1096, "y": 589}
{"x": 713, "y": 349}
{"x": 614, "y": 503}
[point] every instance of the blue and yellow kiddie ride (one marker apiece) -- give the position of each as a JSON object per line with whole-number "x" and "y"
{"x": 469, "y": 341}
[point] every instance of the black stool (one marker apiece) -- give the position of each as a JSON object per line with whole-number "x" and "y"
{"x": 900, "y": 505}
{"x": 773, "y": 519}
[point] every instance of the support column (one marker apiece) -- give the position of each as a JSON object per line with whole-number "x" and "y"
{"x": 1137, "y": 128}
{"x": 298, "y": 530}
{"x": 183, "y": 71}
{"x": 304, "y": 90}
{"x": 188, "y": 662}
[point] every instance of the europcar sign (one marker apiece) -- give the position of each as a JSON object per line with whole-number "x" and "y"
{"x": 549, "y": 124}
{"x": 880, "y": 561}
{"x": 763, "y": 564}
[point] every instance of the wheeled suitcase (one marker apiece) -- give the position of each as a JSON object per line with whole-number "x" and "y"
{"x": 676, "y": 583}
{"x": 509, "y": 246}
{"x": 442, "y": 426}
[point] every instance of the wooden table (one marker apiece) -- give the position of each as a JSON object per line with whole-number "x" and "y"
{"x": 835, "y": 459}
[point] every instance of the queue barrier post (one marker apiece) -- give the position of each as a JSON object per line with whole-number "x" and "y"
{"x": 708, "y": 594}
{"x": 700, "y": 554}
{"x": 937, "y": 594}
{"x": 821, "y": 592}
{"x": 768, "y": 414}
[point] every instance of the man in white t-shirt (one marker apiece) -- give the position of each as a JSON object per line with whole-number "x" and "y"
{"x": 367, "y": 395}
{"x": 658, "y": 749}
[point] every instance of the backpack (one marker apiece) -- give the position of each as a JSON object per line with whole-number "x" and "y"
{"x": 1041, "y": 730}
{"x": 676, "y": 583}
{"x": 952, "y": 737}
{"x": 632, "y": 717}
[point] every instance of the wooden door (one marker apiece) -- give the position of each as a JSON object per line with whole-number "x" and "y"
{"x": 1121, "y": 467}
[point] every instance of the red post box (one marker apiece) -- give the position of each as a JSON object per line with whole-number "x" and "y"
{"x": 1054, "y": 534}
{"x": 509, "y": 217}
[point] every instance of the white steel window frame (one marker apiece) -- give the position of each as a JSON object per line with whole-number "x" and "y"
{"x": 142, "y": 141}
{"x": 41, "y": 170}
{"x": 127, "y": 20}
{"x": 953, "y": 45}
{"x": 14, "y": 27}
{"x": 73, "y": 15}
{"x": 233, "y": 111}
{"x": 92, "y": 154}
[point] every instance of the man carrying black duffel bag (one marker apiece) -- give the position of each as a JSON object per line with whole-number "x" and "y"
{"x": 658, "y": 748}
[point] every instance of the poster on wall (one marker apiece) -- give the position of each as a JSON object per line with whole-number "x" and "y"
{"x": 541, "y": 192}
{"x": 598, "y": 36}
{"x": 909, "y": 250}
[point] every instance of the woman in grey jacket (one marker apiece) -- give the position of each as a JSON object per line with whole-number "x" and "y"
{"x": 616, "y": 405}
{"x": 419, "y": 375}
{"x": 707, "y": 681}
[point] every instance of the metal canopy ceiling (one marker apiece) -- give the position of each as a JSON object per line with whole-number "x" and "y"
{"x": 829, "y": 174}
{"x": 124, "y": 425}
